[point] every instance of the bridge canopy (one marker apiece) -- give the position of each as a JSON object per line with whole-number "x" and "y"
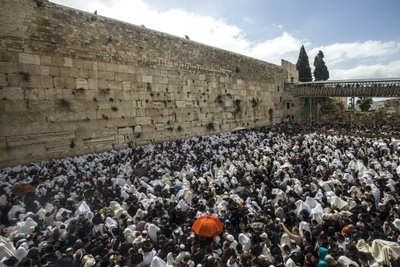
{"x": 380, "y": 87}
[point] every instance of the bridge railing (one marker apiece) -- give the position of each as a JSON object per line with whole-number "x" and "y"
{"x": 387, "y": 87}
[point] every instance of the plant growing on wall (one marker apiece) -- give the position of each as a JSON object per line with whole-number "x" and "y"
{"x": 238, "y": 107}
{"x": 254, "y": 103}
{"x": 105, "y": 91}
{"x": 219, "y": 99}
{"x": 25, "y": 76}
{"x": 210, "y": 126}
{"x": 64, "y": 104}
{"x": 78, "y": 91}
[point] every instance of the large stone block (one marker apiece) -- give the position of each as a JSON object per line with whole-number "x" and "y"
{"x": 147, "y": 79}
{"x": 59, "y": 82}
{"x": 81, "y": 83}
{"x": 3, "y": 80}
{"x": 28, "y": 58}
{"x": 8, "y": 67}
{"x": 12, "y": 93}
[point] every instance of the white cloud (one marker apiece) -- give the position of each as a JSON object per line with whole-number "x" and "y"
{"x": 339, "y": 52}
{"x": 280, "y": 26}
{"x": 284, "y": 46}
{"x": 391, "y": 69}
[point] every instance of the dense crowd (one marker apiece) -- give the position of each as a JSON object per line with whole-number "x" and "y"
{"x": 287, "y": 195}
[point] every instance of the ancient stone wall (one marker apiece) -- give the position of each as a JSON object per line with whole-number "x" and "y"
{"x": 73, "y": 83}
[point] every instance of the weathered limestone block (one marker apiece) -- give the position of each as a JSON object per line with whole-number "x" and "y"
{"x": 125, "y": 130}
{"x": 107, "y": 75}
{"x": 67, "y": 62}
{"x": 59, "y": 82}
{"x": 12, "y": 93}
{"x": 147, "y": 79}
{"x": 81, "y": 83}
{"x": 3, "y": 79}
{"x": 45, "y": 60}
{"x": 28, "y": 58}
{"x": 143, "y": 120}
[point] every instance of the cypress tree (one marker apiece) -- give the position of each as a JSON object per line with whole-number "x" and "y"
{"x": 321, "y": 72}
{"x": 303, "y": 66}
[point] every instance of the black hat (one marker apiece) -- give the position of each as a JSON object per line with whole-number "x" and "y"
{"x": 147, "y": 245}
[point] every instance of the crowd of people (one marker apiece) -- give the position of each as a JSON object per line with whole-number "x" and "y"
{"x": 287, "y": 195}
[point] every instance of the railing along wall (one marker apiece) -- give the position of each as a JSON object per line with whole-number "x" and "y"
{"x": 387, "y": 87}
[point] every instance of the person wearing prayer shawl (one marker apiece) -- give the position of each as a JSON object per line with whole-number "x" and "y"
{"x": 148, "y": 253}
{"x": 294, "y": 234}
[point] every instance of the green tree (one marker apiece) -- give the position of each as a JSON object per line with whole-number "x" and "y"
{"x": 364, "y": 103}
{"x": 303, "y": 66}
{"x": 321, "y": 72}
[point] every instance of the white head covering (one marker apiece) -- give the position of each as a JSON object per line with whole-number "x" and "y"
{"x": 245, "y": 241}
{"x": 157, "y": 262}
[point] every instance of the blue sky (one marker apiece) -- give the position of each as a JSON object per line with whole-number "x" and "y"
{"x": 360, "y": 38}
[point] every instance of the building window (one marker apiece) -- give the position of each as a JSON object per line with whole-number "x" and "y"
{"x": 278, "y": 88}
{"x": 288, "y": 105}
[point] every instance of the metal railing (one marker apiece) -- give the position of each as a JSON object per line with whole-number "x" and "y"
{"x": 384, "y": 87}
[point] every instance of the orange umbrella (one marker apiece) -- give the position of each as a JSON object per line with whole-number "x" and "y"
{"x": 207, "y": 226}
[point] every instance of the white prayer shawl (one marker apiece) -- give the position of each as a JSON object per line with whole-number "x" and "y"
{"x": 152, "y": 231}
{"x": 147, "y": 257}
{"x": 129, "y": 235}
{"x": 380, "y": 250}
{"x": 279, "y": 195}
{"x": 301, "y": 205}
{"x": 170, "y": 260}
{"x": 82, "y": 209}
{"x": 7, "y": 248}
{"x": 157, "y": 262}
{"x": 377, "y": 195}
{"x": 396, "y": 223}
{"x": 245, "y": 241}
{"x": 316, "y": 213}
{"x": 290, "y": 263}
{"x": 22, "y": 251}
{"x": 339, "y": 203}
{"x": 14, "y": 209}
{"x": 60, "y": 212}
{"x": 182, "y": 205}
{"x": 311, "y": 202}
{"x": 346, "y": 261}
{"x": 304, "y": 226}
{"x": 349, "y": 178}
{"x": 111, "y": 223}
{"x": 266, "y": 253}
